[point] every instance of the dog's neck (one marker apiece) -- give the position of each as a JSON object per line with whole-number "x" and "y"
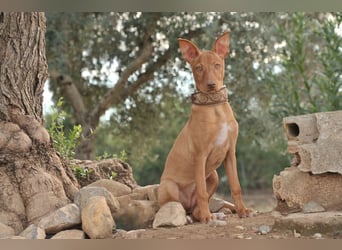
{"x": 211, "y": 98}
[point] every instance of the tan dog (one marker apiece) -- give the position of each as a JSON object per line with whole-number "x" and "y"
{"x": 208, "y": 138}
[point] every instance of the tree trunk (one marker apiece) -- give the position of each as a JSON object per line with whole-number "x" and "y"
{"x": 33, "y": 180}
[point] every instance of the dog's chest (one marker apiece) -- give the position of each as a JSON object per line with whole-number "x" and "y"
{"x": 222, "y": 135}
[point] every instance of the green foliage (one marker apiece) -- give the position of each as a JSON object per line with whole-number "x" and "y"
{"x": 80, "y": 172}
{"x": 65, "y": 143}
{"x": 310, "y": 67}
{"x": 122, "y": 156}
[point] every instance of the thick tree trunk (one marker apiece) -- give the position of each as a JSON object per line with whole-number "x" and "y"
{"x": 33, "y": 180}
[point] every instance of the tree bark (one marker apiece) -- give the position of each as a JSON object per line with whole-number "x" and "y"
{"x": 33, "y": 179}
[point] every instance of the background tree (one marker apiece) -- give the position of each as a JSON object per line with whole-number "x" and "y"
{"x": 33, "y": 180}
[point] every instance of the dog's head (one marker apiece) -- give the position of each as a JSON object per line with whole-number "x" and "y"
{"x": 207, "y": 66}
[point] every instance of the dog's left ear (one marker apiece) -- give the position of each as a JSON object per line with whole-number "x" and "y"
{"x": 221, "y": 45}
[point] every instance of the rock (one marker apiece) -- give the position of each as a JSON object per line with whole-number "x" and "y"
{"x": 295, "y": 234}
{"x": 63, "y": 218}
{"x": 85, "y": 193}
{"x": 115, "y": 188}
{"x": 309, "y": 224}
{"x": 312, "y": 207}
{"x": 6, "y": 231}
{"x": 215, "y": 204}
{"x": 69, "y": 234}
{"x": 225, "y": 210}
{"x": 240, "y": 227}
{"x": 149, "y": 192}
{"x": 317, "y": 236}
{"x": 134, "y": 234}
{"x": 219, "y": 216}
{"x": 264, "y": 229}
{"x": 97, "y": 220}
{"x": 135, "y": 214}
{"x": 172, "y": 214}
{"x": 33, "y": 232}
{"x": 294, "y": 188}
{"x": 217, "y": 223}
{"x": 104, "y": 169}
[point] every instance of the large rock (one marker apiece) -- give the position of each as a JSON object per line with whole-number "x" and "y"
{"x": 135, "y": 214}
{"x": 6, "y": 231}
{"x": 33, "y": 232}
{"x": 86, "y": 193}
{"x": 73, "y": 234}
{"x": 115, "y": 188}
{"x": 97, "y": 220}
{"x": 316, "y": 141}
{"x": 294, "y": 188}
{"x": 309, "y": 224}
{"x": 172, "y": 214}
{"x": 63, "y": 218}
{"x": 105, "y": 169}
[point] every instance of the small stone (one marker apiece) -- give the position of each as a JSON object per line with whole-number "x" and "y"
{"x": 317, "y": 236}
{"x": 240, "y": 227}
{"x": 189, "y": 220}
{"x": 217, "y": 223}
{"x": 264, "y": 229}
{"x": 313, "y": 207}
{"x": 225, "y": 210}
{"x": 134, "y": 234}
{"x": 219, "y": 216}
{"x": 33, "y": 232}
{"x": 238, "y": 236}
{"x": 215, "y": 204}
{"x": 295, "y": 234}
{"x": 172, "y": 214}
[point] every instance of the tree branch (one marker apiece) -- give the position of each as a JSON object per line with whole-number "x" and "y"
{"x": 111, "y": 97}
{"x": 71, "y": 93}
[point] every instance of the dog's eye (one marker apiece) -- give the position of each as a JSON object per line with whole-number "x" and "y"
{"x": 199, "y": 68}
{"x": 217, "y": 65}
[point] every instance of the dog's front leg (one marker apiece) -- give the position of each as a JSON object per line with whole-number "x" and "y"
{"x": 235, "y": 188}
{"x": 201, "y": 211}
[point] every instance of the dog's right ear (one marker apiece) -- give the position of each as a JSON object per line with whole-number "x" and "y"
{"x": 188, "y": 49}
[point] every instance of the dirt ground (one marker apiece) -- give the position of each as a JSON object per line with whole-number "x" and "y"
{"x": 236, "y": 228}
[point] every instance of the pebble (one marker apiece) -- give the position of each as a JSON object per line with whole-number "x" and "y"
{"x": 264, "y": 229}
{"x": 238, "y": 236}
{"x": 240, "y": 227}
{"x": 296, "y": 235}
{"x": 217, "y": 223}
{"x": 312, "y": 207}
{"x": 317, "y": 236}
{"x": 219, "y": 216}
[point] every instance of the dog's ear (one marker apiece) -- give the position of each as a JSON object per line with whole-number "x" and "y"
{"x": 221, "y": 45}
{"x": 188, "y": 49}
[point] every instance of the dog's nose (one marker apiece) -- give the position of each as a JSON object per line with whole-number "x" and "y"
{"x": 211, "y": 84}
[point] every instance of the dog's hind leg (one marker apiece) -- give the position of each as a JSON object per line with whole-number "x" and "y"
{"x": 168, "y": 191}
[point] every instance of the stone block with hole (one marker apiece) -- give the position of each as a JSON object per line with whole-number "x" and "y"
{"x": 316, "y": 141}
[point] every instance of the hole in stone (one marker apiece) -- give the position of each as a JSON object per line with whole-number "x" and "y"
{"x": 292, "y": 129}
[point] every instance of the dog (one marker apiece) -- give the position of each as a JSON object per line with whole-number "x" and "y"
{"x": 208, "y": 138}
